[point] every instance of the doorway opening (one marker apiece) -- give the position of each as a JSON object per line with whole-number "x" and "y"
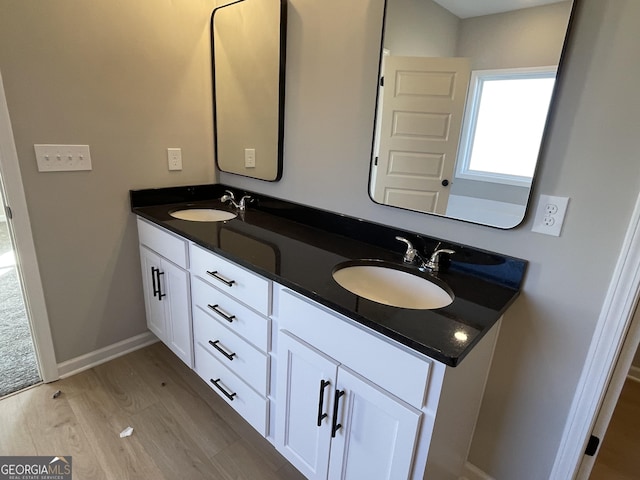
{"x": 617, "y": 456}
{"x": 18, "y": 362}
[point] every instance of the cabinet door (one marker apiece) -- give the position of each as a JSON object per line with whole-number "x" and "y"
{"x": 151, "y": 264}
{"x": 377, "y": 433}
{"x": 306, "y": 380}
{"x": 174, "y": 282}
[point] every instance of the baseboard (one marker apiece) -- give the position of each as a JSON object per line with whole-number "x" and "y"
{"x": 471, "y": 472}
{"x": 634, "y": 373}
{"x": 97, "y": 357}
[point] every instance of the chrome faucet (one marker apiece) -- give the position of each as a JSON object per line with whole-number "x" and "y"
{"x": 411, "y": 253}
{"x": 432, "y": 265}
{"x": 230, "y": 197}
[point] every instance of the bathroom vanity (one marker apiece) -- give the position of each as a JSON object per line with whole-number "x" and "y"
{"x": 343, "y": 386}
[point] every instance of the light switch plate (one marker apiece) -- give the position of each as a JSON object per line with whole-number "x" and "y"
{"x": 250, "y": 157}
{"x": 62, "y": 158}
{"x": 550, "y": 215}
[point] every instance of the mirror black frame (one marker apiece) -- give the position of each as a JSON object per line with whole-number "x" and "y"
{"x": 281, "y": 90}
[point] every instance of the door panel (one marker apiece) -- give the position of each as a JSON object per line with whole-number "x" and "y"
{"x": 423, "y": 107}
{"x": 155, "y": 309}
{"x": 175, "y": 283}
{"x": 301, "y": 368}
{"x": 378, "y": 436}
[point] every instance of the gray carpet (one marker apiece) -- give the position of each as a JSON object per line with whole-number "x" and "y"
{"x": 18, "y": 367}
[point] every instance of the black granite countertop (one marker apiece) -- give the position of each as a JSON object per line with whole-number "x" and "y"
{"x": 299, "y": 246}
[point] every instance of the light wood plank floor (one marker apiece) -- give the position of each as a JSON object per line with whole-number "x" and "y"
{"x": 618, "y": 457}
{"x": 182, "y": 429}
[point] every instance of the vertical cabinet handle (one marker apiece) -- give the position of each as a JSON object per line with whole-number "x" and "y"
{"x": 336, "y": 426}
{"x": 215, "y": 345}
{"x": 220, "y": 278}
{"x": 153, "y": 279}
{"x": 216, "y": 383}
{"x": 160, "y": 294}
{"x": 321, "y": 415}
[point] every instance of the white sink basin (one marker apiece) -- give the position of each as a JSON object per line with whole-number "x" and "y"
{"x": 385, "y": 283}
{"x": 203, "y": 215}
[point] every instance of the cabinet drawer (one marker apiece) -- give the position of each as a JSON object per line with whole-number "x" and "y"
{"x": 251, "y": 406}
{"x": 235, "y": 316}
{"x": 166, "y": 244}
{"x": 246, "y": 286}
{"x": 243, "y": 359}
{"x": 398, "y": 371}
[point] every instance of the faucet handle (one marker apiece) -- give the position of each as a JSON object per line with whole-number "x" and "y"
{"x": 411, "y": 252}
{"x": 229, "y": 194}
{"x": 434, "y": 261}
{"x": 244, "y": 200}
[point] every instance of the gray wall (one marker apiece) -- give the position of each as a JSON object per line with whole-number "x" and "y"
{"x": 407, "y": 23}
{"x": 547, "y": 332}
{"x": 119, "y": 82}
{"x": 129, "y": 79}
{"x": 531, "y": 37}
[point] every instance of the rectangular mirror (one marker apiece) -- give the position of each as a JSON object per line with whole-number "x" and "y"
{"x": 248, "y": 39}
{"x": 465, "y": 87}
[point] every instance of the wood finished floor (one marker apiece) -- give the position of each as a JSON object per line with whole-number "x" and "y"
{"x": 619, "y": 457}
{"x": 182, "y": 429}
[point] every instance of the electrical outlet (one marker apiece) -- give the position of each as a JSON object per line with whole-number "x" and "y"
{"x": 550, "y": 209}
{"x": 550, "y": 215}
{"x": 174, "y": 157}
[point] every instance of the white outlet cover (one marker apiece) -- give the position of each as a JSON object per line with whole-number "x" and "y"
{"x": 546, "y": 222}
{"x": 174, "y": 158}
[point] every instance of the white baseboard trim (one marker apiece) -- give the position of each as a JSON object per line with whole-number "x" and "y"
{"x": 471, "y": 472}
{"x": 634, "y": 373}
{"x": 97, "y": 357}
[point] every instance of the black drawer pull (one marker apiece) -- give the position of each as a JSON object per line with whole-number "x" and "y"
{"x": 215, "y": 345}
{"x": 220, "y": 278}
{"x": 222, "y": 313}
{"x": 153, "y": 279}
{"x": 321, "y": 415}
{"x": 223, "y": 390}
{"x": 160, "y": 294}
{"x": 336, "y": 426}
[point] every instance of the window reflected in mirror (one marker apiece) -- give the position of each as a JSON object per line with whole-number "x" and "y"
{"x": 503, "y": 124}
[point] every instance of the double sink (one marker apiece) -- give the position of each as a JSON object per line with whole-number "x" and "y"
{"x": 354, "y": 267}
{"x": 380, "y": 281}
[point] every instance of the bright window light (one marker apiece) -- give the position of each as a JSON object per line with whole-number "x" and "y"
{"x": 504, "y": 122}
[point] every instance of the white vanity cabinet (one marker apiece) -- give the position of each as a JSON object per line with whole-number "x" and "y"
{"x": 231, "y": 332}
{"x": 337, "y": 399}
{"x": 351, "y": 404}
{"x": 333, "y": 423}
{"x": 165, "y": 281}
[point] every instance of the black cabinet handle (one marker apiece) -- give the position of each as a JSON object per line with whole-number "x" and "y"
{"x": 321, "y": 415}
{"x": 216, "y": 383}
{"x": 336, "y": 426}
{"x": 160, "y": 294}
{"x": 157, "y": 286}
{"x": 215, "y": 345}
{"x": 223, "y": 314}
{"x": 220, "y": 278}
{"x": 445, "y": 183}
{"x": 153, "y": 279}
